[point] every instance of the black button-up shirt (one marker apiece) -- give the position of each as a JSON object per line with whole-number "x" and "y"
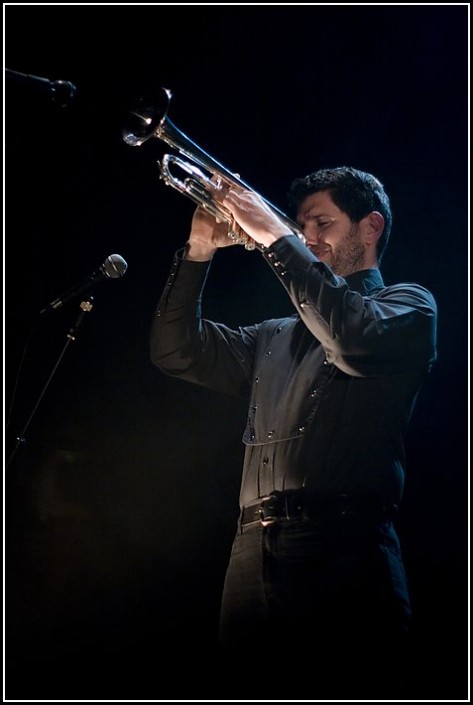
{"x": 330, "y": 388}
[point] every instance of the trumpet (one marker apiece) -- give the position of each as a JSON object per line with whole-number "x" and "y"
{"x": 202, "y": 176}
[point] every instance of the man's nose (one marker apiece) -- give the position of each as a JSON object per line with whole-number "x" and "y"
{"x": 311, "y": 236}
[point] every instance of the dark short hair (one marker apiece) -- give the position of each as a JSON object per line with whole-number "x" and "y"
{"x": 355, "y": 192}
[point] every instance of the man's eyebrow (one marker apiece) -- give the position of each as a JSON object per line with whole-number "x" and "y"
{"x": 307, "y": 211}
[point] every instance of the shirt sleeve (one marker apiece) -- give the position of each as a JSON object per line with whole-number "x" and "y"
{"x": 184, "y": 345}
{"x": 389, "y": 331}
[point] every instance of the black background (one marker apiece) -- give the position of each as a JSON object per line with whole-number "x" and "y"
{"x": 121, "y": 504}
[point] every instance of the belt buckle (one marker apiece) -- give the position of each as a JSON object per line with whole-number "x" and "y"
{"x": 268, "y": 504}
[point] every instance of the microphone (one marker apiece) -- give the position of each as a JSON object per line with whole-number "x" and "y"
{"x": 114, "y": 267}
{"x": 59, "y": 92}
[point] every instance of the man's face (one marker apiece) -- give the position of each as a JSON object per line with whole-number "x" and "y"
{"x": 331, "y": 235}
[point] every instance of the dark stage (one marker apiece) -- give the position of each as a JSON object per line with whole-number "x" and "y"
{"x": 122, "y": 501}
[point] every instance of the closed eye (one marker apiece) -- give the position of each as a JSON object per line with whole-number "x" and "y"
{"x": 321, "y": 223}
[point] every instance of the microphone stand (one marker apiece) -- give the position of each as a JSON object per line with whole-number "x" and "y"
{"x": 86, "y": 306}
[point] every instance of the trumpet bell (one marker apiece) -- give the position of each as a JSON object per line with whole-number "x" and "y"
{"x": 146, "y": 117}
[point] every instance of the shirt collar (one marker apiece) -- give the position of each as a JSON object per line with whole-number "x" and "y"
{"x": 365, "y": 281}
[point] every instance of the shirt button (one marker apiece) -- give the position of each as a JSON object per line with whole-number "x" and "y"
{"x": 265, "y": 460}
{"x": 271, "y": 433}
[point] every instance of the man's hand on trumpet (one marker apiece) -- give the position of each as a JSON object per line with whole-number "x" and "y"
{"x": 254, "y": 216}
{"x": 206, "y": 236}
{"x": 208, "y": 232}
{"x": 250, "y": 213}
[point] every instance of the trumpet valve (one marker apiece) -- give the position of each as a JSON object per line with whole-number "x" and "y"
{"x": 239, "y": 236}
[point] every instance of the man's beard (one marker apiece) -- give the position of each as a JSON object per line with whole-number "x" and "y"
{"x": 349, "y": 256}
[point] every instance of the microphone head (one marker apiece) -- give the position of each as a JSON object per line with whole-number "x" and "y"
{"x": 114, "y": 267}
{"x": 63, "y": 92}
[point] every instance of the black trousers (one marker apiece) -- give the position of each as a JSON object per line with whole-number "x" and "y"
{"x": 317, "y": 610}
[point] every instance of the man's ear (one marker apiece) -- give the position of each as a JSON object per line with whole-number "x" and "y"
{"x": 372, "y": 227}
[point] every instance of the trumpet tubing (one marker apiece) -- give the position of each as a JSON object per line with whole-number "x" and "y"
{"x": 199, "y": 188}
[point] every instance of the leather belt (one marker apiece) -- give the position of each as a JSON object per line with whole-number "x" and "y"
{"x": 299, "y": 504}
